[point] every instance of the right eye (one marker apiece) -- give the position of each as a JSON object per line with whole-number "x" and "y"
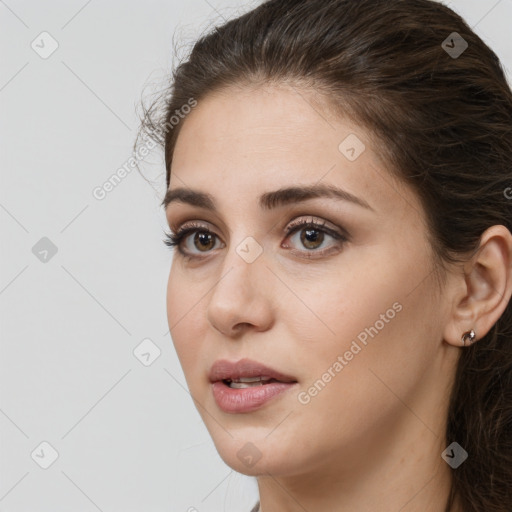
{"x": 203, "y": 238}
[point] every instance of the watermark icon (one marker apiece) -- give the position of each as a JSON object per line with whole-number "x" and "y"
{"x": 454, "y": 45}
{"x": 508, "y": 193}
{"x": 304, "y": 397}
{"x": 100, "y": 192}
{"x": 45, "y": 455}
{"x": 351, "y": 147}
{"x": 147, "y": 352}
{"x": 44, "y": 45}
{"x": 249, "y": 249}
{"x": 454, "y": 455}
{"x": 44, "y": 250}
{"x": 249, "y": 454}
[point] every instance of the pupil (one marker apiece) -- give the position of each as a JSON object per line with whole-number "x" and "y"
{"x": 204, "y": 238}
{"x": 310, "y": 233}
{"x": 310, "y": 237}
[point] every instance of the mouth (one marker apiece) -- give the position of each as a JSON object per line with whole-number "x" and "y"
{"x": 246, "y": 373}
{"x": 245, "y": 386}
{"x": 249, "y": 382}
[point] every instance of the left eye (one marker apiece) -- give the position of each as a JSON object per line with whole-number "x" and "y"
{"x": 311, "y": 235}
{"x": 202, "y": 235}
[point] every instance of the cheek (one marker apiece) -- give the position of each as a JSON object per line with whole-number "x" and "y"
{"x": 380, "y": 323}
{"x": 338, "y": 304}
{"x": 185, "y": 316}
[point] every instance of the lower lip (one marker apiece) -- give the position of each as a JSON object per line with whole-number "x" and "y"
{"x": 236, "y": 400}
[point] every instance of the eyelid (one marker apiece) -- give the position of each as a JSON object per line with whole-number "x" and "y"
{"x": 319, "y": 223}
{"x": 311, "y": 219}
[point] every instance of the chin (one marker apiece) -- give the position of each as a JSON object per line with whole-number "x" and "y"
{"x": 255, "y": 455}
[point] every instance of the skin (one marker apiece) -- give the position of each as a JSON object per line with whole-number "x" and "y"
{"x": 372, "y": 438}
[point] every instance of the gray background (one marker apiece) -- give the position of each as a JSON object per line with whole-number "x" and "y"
{"x": 127, "y": 434}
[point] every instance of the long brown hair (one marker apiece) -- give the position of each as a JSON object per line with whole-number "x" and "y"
{"x": 441, "y": 114}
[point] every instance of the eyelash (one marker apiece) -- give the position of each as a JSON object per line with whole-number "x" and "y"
{"x": 175, "y": 239}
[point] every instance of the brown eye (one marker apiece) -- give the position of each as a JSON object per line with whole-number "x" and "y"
{"x": 204, "y": 240}
{"x": 309, "y": 238}
{"x": 312, "y": 236}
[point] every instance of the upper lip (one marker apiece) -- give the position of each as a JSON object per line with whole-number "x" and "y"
{"x": 222, "y": 369}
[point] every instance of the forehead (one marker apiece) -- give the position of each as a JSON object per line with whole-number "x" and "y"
{"x": 240, "y": 142}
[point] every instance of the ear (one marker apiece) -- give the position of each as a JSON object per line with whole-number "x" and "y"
{"x": 484, "y": 288}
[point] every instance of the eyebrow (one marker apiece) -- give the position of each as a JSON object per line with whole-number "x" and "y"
{"x": 268, "y": 200}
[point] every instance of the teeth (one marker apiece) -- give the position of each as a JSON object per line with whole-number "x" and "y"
{"x": 242, "y": 385}
{"x": 248, "y": 382}
{"x": 251, "y": 379}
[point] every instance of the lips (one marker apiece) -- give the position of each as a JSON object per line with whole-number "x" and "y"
{"x": 224, "y": 370}
{"x": 245, "y": 386}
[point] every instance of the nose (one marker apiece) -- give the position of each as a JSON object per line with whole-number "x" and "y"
{"x": 241, "y": 298}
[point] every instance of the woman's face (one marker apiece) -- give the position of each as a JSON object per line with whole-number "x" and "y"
{"x": 349, "y": 310}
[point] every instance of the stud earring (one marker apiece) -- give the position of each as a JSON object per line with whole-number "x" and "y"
{"x": 468, "y": 335}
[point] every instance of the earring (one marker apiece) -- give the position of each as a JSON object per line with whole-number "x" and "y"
{"x": 468, "y": 335}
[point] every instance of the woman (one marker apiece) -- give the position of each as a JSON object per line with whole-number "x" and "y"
{"x": 339, "y": 182}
